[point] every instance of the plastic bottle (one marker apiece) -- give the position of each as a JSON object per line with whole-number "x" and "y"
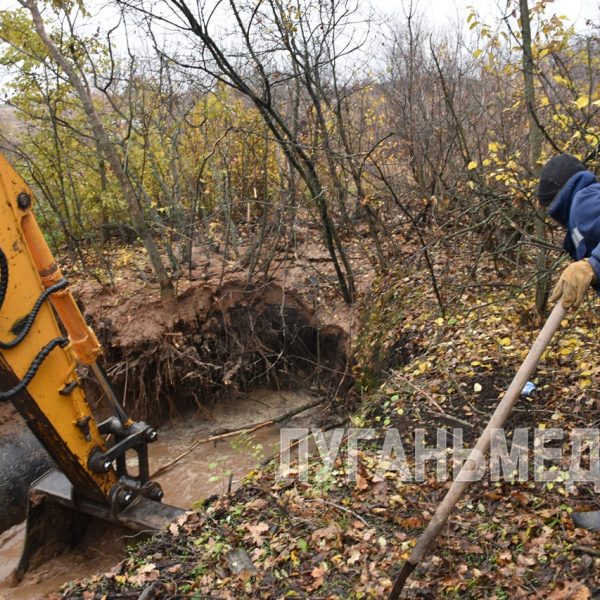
{"x": 528, "y": 389}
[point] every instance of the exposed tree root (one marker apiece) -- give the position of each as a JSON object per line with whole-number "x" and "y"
{"x": 168, "y": 357}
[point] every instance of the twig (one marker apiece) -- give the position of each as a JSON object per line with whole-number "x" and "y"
{"x": 418, "y": 390}
{"x": 444, "y": 415}
{"x": 587, "y": 550}
{"x": 233, "y": 432}
{"x": 440, "y": 411}
{"x": 342, "y": 508}
{"x": 463, "y": 395}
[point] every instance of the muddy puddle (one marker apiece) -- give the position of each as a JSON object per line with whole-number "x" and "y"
{"x": 209, "y": 468}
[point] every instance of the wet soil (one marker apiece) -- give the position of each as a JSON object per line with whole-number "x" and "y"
{"x": 211, "y": 468}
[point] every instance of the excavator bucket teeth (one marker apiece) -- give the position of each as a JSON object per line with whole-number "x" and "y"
{"x": 57, "y": 521}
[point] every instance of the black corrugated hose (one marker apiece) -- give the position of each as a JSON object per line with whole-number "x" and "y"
{"x": 24, "y": 330}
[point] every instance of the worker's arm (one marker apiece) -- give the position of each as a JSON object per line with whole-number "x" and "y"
{"x": 584, "y": 229}
{"x": 585, "y": 217}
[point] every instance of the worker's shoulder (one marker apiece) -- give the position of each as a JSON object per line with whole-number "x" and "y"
{"x": 585, "y": 210}
{"x": 588, "y": 194}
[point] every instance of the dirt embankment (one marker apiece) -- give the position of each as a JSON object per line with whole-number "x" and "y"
{"x": 167, "y": 355}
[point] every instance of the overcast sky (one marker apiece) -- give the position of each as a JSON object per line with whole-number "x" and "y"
{"x": 446, "y": 11}
{"x": 440, "y": 13}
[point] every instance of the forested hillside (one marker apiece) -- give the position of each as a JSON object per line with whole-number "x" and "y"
{"x": 310, "y": 191}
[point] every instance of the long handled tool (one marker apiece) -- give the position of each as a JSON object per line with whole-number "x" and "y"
{"x": 473, "y": 464}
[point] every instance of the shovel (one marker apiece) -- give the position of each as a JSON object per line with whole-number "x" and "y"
{"x": 474, "y": 462}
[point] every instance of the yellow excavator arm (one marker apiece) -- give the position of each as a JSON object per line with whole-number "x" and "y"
{"x": 43, "y": 341}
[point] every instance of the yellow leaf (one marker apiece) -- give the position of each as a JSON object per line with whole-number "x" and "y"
{"x": 472, "y": 165}
{"x": 582, "y": 101}
{"x": 505, "y": 341}
{"x": 493, "y": 147}
{"x": 560, "y": 79}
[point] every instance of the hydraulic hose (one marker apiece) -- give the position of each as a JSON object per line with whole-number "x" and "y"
{"x": 3, "y": 276}
{"x": 25, "y": 328}
{"x": 33, "y": 368}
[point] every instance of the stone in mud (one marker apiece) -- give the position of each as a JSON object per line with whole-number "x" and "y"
{"x": 239, "y": 562}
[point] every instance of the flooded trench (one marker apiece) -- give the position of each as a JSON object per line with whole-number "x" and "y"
{"x": 210, "y": 468}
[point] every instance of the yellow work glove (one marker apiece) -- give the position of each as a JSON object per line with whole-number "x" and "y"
{"x": 574, "y": 283}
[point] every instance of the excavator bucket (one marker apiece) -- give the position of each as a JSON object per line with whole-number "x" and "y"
{"x": 58, "y": 521}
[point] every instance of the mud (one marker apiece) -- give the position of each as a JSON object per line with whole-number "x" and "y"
{"x": 212, "y": 468}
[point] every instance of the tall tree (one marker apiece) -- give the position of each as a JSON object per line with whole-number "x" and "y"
{"x": 535, "y": 151}
{"x": 79, "y": 83}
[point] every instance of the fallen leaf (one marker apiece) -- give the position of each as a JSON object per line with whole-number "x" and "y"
{"x": 326, "y": 533}
{"x": 570, "y": 590}
{"x": 256, "y": 532}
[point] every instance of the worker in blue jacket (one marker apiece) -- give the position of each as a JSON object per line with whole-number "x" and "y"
{"x": 572, "y": 195}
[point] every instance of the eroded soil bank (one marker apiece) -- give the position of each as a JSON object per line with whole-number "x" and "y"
{"x": 169, "y": 355}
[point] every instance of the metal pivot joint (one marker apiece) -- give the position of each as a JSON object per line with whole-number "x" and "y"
{"x": 131, "y": 436}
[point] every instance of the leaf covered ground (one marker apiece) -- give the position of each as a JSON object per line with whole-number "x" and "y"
{"x": 317, "y": 534}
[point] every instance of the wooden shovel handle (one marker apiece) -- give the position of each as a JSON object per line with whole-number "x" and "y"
{"x": 473, "y": 463}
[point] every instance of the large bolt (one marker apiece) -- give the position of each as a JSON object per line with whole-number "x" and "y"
{"x": 125, "y": 497}
{"x": 151, "y": 435}
{"x": 99, "y": 463}
{"x": 24, "y": 200}
{"x": 155, "y": 492}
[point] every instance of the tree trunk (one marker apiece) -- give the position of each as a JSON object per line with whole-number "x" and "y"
{"x": 535, "y": 143}
{"x": 107, "y": 147}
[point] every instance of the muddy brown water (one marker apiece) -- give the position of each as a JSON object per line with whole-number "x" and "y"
{"x": 211, "y": 468}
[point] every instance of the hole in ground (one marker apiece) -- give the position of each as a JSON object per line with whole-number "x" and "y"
{"x": 247, "y": 337}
